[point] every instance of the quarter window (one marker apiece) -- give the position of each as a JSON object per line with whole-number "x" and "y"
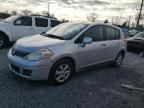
{"x": 41, "y": 22}
{"x": 54, "y": 23}
{"x": 23, "y": 21}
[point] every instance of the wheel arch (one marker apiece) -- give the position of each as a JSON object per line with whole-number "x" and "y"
{"x": 123, "y": 52}
{"x": 67, "y": 58}
{"x": 6, "y": 36}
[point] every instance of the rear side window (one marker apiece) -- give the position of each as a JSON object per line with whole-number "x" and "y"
{"x": 23, "y": 21}
{"x": 112, "y": 33}
{"x": 95, "y": 32}
{"x": 117, "y": 33}
{"x": 54, "y": 23}
{"x": 41, "y": 22}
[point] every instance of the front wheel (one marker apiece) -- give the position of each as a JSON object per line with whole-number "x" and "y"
{"x": 119, "y": 59}
{"x": 61, "y": 71}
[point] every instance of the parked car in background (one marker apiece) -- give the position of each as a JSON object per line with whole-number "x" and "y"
{"x": 136, "y": 43}
{"x": 129, "y": 32}
{"x": 133, "y": 32}
{"x": 66, "y": 48}
{"x": 15, "y": 27}
{"x": 125, "y": 32}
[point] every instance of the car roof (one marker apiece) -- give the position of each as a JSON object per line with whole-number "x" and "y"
{"x": 45, "y": 17}
{"x": 94, "y": 23}
{"x": 36, "y": 16}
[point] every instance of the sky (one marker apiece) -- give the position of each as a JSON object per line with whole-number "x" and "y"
{"x": 76, "y": 10}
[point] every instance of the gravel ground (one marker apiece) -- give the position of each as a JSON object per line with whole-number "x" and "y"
{"x": 94, "y": 88}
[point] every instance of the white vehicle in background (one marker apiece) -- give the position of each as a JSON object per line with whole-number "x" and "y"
{"x": 15, "y": 27}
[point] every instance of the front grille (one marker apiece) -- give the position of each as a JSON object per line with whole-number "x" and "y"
{"x": 15, "y": 68}
{"x": 19, "y": 53}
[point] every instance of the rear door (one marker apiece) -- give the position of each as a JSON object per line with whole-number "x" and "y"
{"x": 41, "y": 25}
{"x": 23, "y": 26}
{"x": 112, "y": 39}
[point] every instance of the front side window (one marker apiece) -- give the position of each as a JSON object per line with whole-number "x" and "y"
{"x": 95, "y": 32}
{"x": 54, "y": 23}
{"x": 41, "y": 22}
{"x": 23, "y": 21}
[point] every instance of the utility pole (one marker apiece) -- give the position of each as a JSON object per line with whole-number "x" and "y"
{"x": 48, "y": 10}
{"x": 129, "y": 20}
{"x": 139, "y": 15}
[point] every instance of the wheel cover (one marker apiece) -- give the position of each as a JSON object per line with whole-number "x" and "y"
{"x": 1, "y": 42}
{"x": 62, "y": 73}
{"x": 119, "y": 59}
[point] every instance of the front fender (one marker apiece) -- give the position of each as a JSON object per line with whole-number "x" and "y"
{"x": 5, "y": 29}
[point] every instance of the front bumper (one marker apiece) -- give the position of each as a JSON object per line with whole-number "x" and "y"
{"x": 32, "y": 70}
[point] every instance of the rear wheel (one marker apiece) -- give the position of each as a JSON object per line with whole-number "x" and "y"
{"x": 119, "y": 59}
{"x": 61, "y": 71}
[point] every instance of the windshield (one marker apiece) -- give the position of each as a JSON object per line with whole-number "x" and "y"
{"x": 140, "y": 35}
{"x": 9, "y": 19}
{"x": 67, "y": 30}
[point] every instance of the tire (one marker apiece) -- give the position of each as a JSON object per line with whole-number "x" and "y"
{"x": 2, "y": 41}
{"x": 119, "y": 59}
{"x": 61, "y": 72}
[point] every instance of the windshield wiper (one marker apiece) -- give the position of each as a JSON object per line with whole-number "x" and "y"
{"x": 54, "y": 36}
{"x": 43, "y": 34}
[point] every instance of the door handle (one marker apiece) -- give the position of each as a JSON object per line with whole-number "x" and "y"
{"x": 103, "y": 45}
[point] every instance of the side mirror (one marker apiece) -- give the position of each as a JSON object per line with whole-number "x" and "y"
{"x": 86, "y": 40}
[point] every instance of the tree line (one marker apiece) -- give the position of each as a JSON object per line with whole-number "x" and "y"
{"x": 92, "y": 17}
{"x": 7, "y": 14}
{"x": 116, "y": 20}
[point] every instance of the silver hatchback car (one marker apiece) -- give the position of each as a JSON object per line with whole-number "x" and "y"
{"x": 65, "y": 49}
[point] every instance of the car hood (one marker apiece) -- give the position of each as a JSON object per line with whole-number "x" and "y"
{"x": 37, "y": 42}
{"x": 135, "y": 39}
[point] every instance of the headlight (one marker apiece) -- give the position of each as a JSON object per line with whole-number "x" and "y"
{"x": 38, "y": 55}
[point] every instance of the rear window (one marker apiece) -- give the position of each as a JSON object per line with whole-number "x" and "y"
{"x": 41, "y": 22}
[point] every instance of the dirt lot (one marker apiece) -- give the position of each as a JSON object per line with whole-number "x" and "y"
{"x": 96, "y": 88}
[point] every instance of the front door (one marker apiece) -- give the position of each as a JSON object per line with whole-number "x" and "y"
{"x": 95, "y": 52}
{"x": 22, "y": 27}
